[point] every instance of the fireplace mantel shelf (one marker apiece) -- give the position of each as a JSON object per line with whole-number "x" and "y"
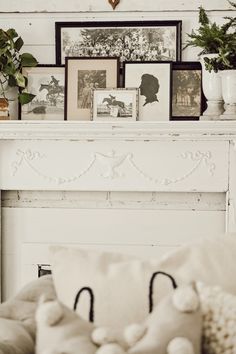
{"x": 30, "y": 130}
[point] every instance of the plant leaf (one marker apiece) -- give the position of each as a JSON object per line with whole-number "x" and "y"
{"x": 28, "y": 60}
{"x": 25, "y": 97}
{"x": 12, "y": 33}
{"x": 20, "y": 79}
{"x": 19, "y": 43}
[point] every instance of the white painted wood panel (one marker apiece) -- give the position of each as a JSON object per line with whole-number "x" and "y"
{"x": 25, "y": 241}
{"x": 115, "y": 166}
{"x": 102, "y": 5}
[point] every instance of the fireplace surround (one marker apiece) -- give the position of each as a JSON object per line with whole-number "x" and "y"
{"x": 145, "y": 187}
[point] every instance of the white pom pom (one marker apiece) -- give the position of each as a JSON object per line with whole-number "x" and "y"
{"x": 185, "y": 299}
{"x": 103, "y": 335}
{"x": 133, "y": 333}
{"x": 111, "y": 348}
{"x": 49, "y": 313}
{"x": 180, "y": 345}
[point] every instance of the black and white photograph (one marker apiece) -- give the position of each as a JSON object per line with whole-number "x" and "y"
{"x": 187, "y": 96}
{"x": 83, "y": 75}
{"x": 47, "y": 83}
{"x": 87, "y": 80}
{"x": 154, "y": 82}
{"x": 130, "y": 41}
{"x": 115, "y": 104}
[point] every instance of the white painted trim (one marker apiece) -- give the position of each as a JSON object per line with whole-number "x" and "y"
{"x": 29, "y": 130}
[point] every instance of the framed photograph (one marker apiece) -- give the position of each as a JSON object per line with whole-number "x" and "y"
{"x": 154, "y": 82}
{"x": 83, "y": 75}
{"x": 188, "y": 101}
{"x": 128, "y": 40}
{"x": 47, "y": 82}
{"x": 115, "y": 104}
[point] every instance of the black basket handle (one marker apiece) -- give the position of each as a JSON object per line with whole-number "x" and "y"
{"x": 151, "y": 284}
{"x": 91, "y": 295}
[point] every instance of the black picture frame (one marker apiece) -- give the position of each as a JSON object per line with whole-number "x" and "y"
{"x": 159, "y": 108}
{"x": 160, "y": 52}
{"x": 190, "y": 101}
{"x": 43, "y": 116}
{"x": 73, "y": 109}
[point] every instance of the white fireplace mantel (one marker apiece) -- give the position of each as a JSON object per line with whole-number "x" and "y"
{"x": 137, "y": 156}
{"x": 62, "y": 130}
{"x": 170, "y": 158}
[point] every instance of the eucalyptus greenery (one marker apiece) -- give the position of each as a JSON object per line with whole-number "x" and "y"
{"x": 215, "y": 39}
{"x": 11, "y": 64}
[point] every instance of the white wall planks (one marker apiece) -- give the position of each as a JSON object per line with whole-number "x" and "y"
{"x": 102, "y": 5}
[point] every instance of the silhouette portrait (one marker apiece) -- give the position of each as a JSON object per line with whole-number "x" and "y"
{"x": 149, "y": 88}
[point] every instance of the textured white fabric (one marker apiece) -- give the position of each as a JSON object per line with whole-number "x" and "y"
{"x": 121, "y": 283}
{"x": 219, "y": 320}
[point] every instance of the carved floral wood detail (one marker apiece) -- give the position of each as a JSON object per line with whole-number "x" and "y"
{"x": 114, "y": 3}
{"x": 110, "y": 164}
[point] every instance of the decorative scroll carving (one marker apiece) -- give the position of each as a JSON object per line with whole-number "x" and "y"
{"x": 114, "y": 3}
{"x": 199, "y": 156}
{"x": 110, "y": 162}
{"x": 28, "y": 156}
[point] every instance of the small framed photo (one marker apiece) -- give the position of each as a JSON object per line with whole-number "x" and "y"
{"x": 128, "y": 40}
{"x": 47, "y": 83}
{"x": 188, "y": 101}
{"x": 115, "y": 104}
{"x": 82, "y": 76}
{"x": 154, "y": 82}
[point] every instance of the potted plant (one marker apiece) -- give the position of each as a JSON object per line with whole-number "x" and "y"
{"x": 225, "y": 65}
{"x": 11, "y": 64}
{"x": 211, "y": 38}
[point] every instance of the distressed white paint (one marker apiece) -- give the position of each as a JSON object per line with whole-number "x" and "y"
{"x": 115, "y": 229}
{"x": 104, "y": 6}
{"x": 232, "y": 188}
{"x": 195, "y": 203}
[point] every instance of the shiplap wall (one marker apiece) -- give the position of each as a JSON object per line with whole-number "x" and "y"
{"x": 35, "y": 22}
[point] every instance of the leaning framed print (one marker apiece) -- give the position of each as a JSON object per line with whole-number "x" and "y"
{"x": 154, "y": 82}
{"x": 128, "y": 40}
{"x": 83, "y": 75}
{"x": 47, "y": 83}
{"x": 188, "y": 101}
{"x": 119, "y": 104}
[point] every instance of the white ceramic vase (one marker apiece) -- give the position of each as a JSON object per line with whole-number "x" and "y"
{"x": 228, "y": 78}
{"x": 211, "y": 85}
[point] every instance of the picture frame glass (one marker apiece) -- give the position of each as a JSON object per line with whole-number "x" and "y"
{"x": 154, "y": 82}
{"x": 47, "y": 83}
{"x": 130, "y": 41}
{"x": 115, "y": 104}
{"x": 187, "y": 95}
{"x": 83, "y": 75}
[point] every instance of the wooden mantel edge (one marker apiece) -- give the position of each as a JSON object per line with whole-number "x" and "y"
{"x": 61, "y": 130}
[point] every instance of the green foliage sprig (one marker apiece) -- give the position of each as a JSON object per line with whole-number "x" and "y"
{"x": 11, "y": 64}
{"x": 213, "y": 38}
{"x": 209, "y": 36}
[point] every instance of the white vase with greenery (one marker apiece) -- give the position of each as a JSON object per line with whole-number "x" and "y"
{"x": 214, "y": 40}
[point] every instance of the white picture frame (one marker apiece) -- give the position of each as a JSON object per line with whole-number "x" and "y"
{"x": 154, "y": 82}
{"x": 115, "y": 104}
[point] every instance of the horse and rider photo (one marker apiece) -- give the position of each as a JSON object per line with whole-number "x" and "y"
{"x": 115, "y": 104}
{"x": 47, "y": 84}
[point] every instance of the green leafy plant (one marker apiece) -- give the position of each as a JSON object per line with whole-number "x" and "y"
{"x": 11, "y": 64}
{"x": 215, "y": 39}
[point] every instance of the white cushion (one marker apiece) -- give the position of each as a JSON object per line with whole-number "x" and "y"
{"x": 121, "y": 284}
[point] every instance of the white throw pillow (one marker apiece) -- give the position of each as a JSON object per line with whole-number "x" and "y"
{"x": 120, "y": 286}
